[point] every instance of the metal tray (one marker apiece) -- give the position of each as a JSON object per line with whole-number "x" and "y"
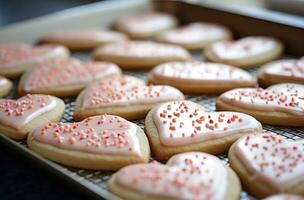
{"x": 93, "y": 181}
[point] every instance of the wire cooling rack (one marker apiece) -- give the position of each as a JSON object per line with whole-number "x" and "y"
{"x": 95, "y": 179}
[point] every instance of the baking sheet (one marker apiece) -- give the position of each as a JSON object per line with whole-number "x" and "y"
{"x": 91, "y": 180}
{"x": 96, "y": 180}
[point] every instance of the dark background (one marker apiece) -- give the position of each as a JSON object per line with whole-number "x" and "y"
{"x": 18, "y": 10}
{"x": 21, "y": 178}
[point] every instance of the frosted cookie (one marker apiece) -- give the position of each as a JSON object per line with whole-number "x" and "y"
{"x": 269, "y": 164}
{"x": 21, "y": 116}
{"x": 5, "y": 86}
{"x": 280, "y": 104}
{"x": 16, "y": 58}
{"x": 282, "y": 71}
{"x": 196, "y": 36}
{"x": 201, "y": 77}
{"x": 245, "y": 53}
{"x": 284, "y": 197}
{"x": 140, "y": 54}
{"x": 194, "y": 175}
{"x": 65, "y": 77}
{"x": 145, "y": 26}
{"x": 124, "y": 96}
{"x": 183, "y": 126}
{"x": 83, "y": 39}
{"x": 103, "y": 142}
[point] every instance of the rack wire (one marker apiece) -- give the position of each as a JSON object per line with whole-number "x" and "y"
{"x": 100, "y": 178}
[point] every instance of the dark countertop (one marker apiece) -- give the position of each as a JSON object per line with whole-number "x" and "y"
{"x": 12, "y": 11}
{"x": 22, "y": 178}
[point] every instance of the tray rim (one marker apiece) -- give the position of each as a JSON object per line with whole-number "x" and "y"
{"x": 54, "y": 167}
{"x": 90, "y": 15}
{"x": 256, "y": 13}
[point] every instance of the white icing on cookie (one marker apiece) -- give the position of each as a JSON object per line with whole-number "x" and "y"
{"x": 196, "y": 32}
{"x": 243, "y": 48}
{"x": 273, "y": 160}
{"x": 183, "y": 122}
{"x": 186, "y": 176}
{"x": 287, "y": 98}
{"x": 99, "y": 134}
{"x": 201, "y": 72}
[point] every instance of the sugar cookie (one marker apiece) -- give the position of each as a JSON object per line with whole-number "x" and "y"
{"x": 102, "y": 142}
{"x": 284, "y": 197}
{"x": 183, "y": 126}
{"x": 193, "y": 175}
{"x": 140, "y": 54}
{"x": 196, "y": 35}
{"x": 245, "y": 53}
{"x": 83, "y": 39}
{"x": 280, "y": 104}
{"x": 145, "y": 26}
{"x": 5, "y": 86}
{"x": 201, "y": 77}
{"x": 16, "y": 58}
{"x": 65, "y": 77}
{"x": 124, "y": 96}
{"x": 21, "y": 116}
{"x": 282, "y": 71}
{"x": 269, "y": 164}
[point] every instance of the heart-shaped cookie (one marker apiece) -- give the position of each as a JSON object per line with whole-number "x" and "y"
{"x": 124, "y": 96}
{"x": 192, "y": 175}
{"x": 19, "y": 117}
{"x": 196, "y": 35}
{"x": 201, "y": 77}
{"x": 65, "y": 77}
{"x": 16, "y": 58}
{"x": 284, "y": 197}
{"x": 247, "y": 52}
{"x": 140, "y": 54}
{"x": 5, "y": 86}
{"x": 145, "y": 26}
{"x": 281, "y": 104}
{"x": 282, "y": 71}
{"x": 269, "y": 164}
{"x": 104, "y": 142}
{"x": 83, "y": 39}
{"x": 182, "y": 126}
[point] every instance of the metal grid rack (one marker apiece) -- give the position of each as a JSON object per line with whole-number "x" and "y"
{"x": 100, "y": 178}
